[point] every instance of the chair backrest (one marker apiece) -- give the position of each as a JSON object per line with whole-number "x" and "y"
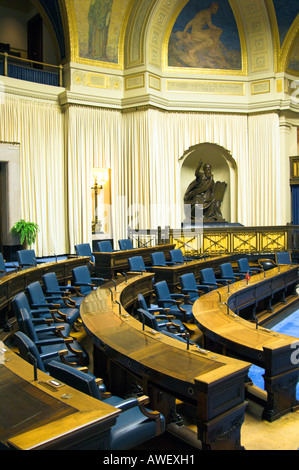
{"x": 2, "y": 264}
{"x": 83, "y": 249}
{"x": 28, "y": 349}
{"x": 176, "y": 255}
{"x": 27, "y": 325}
{"x": 50, "y": 282}
{"x": 283, "y": 257}
{"x": 162, "y": 292}
{"x": 105, "y": 246}
{"x": 136, "y": 263}
{"x": 158, "y": 259}
{"x": 148, "y": 319}
{"x": 74, "y": 378}
{"x": 26, "y": 258}
{"x": 226, "y": 270}
{"x": 36, "y": 294}
{"x": 81, "y": 275}
{"x": 266, "y": 264}
{"x": 125, "y": 244}
{"x": 142, "y": 302}
{"x": 18, "y": 303}
{"x": 188, "y": 282}
{"x": 243, "y": 265}
{"x": 208, "y": 276}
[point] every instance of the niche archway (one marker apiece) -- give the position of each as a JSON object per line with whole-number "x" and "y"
{"x": 224, "y": 168}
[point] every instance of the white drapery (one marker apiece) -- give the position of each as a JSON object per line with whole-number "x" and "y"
{"x": 143, "y": 149}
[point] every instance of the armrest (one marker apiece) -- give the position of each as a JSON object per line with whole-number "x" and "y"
{"x": 127, "y": 404}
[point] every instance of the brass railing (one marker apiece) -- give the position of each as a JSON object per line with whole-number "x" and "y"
{"x": 26, "y": 69}
{"x": 222, "y": 240}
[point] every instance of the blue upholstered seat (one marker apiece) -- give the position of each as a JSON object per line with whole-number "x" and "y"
{"x": 27, "y": 258}
{"x": 136, "y": 264}
{"x": 135, "y": 424}
{"x": 73, "y": 352}
{"x": 176, "y": 256}
{"x": 64, "y": 295}
{"x": 84, "y": 282}
{"x": 37, "y": 299}
{"x": 105, "y": 246}
{"x": 244, "y": 267}
{"x": 227, "y": 272}
{"x": 283, "y": 257}
{"x": 173, "y": 302}
{"x": 125, "y": 244}
{"x": 157, "y": 318}
{"x": 83, "y": 249}
{"x": 2, "y": 265}
{"x": 158, "y": 259}
{"x": 190, "y": 287}
{"x": 208, "y": 279}
{"x": 43, "y": 321}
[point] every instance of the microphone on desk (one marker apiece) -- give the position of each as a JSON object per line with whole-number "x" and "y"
{"x": 227, "y": 307}
{"x": 141, "y": 270}
{"x": 35, "y": 260}
{"x": 111, "y": 293}
{"x": 119, "y": 307}
{"x": 55, "y": 256}
{"x": 124, "y": 274}
{"x": 15, "y": 266}
{"x": 219, "y": 295}
{"x": 34, "y": 363}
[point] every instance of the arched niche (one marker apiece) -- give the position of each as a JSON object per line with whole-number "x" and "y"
{"x": 224, "y": 168}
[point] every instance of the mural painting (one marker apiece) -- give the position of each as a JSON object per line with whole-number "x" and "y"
{"x": 99, "y": 28}
{"x": 205, "y": 35}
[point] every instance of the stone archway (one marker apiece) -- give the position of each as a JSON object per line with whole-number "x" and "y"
{"x": 224, "y": 168}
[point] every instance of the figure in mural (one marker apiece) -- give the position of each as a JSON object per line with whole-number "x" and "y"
{"x": 201, "y": 41}
{"x": 203, "y": 190}
{"x": 99, "y": 15}
{"x": 204, "y": 34}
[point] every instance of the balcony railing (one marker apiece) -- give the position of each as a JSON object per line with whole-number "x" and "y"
{"x": 30, "y": 70}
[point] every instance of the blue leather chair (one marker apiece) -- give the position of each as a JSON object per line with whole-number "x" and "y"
{"x": 135, "y": 424}
{"x": 43, "y": 322}
{"x": 244, "y": 267}
{"x": 125, "y": 244}
{"x": 105, "y": 246}
{"x": 208, "y": 279}
{"x": 176, "y": 256}
{"x": 83, "y": 282}
{"x": 64, "y": 295}
{"x": 83, "y": 249}
{"x": 283, "y": 257}
{"x": 227, "y": 272}
{"x": 27, "y": 259}
{"x": 2, "y": 265}
{"x": 30, "y": 353}
{"x": 173, "y": 302}
{"x": 75, "y": 354}
{"x": 37, "y": 299}
{"x": 136, "y": 264}
{"x": 158, "y": 259}
{"x": 190, "y": 287}
{"x": 160, "y": 314}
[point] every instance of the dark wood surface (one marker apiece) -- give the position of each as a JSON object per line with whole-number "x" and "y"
{"x": 229, "y": 333}
{"x": 212, "y": 384}
{"x": 108, "y": 265}
{"x": 36, "y": 415}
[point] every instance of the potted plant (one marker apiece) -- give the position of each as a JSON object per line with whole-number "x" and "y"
{"x": 27, "y": 231}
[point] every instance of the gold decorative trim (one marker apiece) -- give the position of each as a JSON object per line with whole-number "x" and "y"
{"x": 134, "y": 78}
{"x": 205, "y": 87}
{"x": 153, "y": 80}
{"x": 241, "y": 31}
{"x": 258, "y": 88}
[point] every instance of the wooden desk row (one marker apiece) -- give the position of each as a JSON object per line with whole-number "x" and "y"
{"x": 15, "y": 282}
{"x": 127, "y": 356}
{"x": 35, "y": 415}
{"x": 227, "y": 332}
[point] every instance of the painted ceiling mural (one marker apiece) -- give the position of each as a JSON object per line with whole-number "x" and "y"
{"x": 205, "y": 35}
{"x": 99, "y": 24}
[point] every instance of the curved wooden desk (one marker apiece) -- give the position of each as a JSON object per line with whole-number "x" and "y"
{"x": 14, "y": 282}
{"x": 36, "y": 415}
{"x": 228, "y": 333}
{"x": 126, "y": 355}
